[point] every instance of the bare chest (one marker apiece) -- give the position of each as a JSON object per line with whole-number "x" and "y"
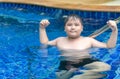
{"x": 79, "y": 45}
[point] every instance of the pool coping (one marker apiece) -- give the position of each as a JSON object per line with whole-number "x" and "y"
{"x": 62, "y": 5}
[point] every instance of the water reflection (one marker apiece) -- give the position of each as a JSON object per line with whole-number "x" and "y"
{"x": 42, "y": 62}
{"x": 75, "y": 61}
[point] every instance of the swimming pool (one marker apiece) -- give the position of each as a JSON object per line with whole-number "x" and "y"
{"x": 21, "y": 54}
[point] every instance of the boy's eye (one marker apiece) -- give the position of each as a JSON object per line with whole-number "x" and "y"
{"x": 69, "y": 24}
{"x": 76, "y": 24}
{"x": 73, "y": 24}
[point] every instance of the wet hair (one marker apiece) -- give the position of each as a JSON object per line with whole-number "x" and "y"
{"x": 74, "y": 16}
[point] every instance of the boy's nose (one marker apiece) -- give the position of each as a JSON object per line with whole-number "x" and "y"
{"x": 73, "y": 27}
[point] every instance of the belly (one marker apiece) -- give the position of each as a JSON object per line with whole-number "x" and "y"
{"x": 74, "y": 56}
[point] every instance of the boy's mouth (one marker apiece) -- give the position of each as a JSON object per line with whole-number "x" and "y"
{"x": 72, "y": 31}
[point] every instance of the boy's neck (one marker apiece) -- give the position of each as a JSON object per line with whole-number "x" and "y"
{"x": 74, "y": 38}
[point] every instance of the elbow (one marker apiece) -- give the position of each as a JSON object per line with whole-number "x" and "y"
{"x": 111, "y": 46}
{"x": 44, "y": 43}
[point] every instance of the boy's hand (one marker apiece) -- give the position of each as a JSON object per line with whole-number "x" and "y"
{"x": 44, "y": 23}
{"x": 112, "y": 24}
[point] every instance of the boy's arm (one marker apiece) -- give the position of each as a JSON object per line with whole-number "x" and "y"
{"x": 112, "y": 40}
{"x": 43, "y": 35}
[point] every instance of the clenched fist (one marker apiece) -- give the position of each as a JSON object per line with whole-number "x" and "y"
{"x": 44, "y": 23}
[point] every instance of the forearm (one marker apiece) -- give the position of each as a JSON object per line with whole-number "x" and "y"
{"x": 43, "y": 36}
{"x": 113, "y": 39}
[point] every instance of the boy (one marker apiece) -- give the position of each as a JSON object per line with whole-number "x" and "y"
{"x": 74, "y": 41}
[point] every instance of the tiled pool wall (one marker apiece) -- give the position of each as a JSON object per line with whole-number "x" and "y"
{"x": 95, "y": 18}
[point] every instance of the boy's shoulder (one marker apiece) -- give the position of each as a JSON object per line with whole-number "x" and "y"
{"x": 88, "y": 38}
{"x": 61, "y": 38}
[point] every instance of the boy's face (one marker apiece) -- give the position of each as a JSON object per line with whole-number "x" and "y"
{"x": 73, "y": 27}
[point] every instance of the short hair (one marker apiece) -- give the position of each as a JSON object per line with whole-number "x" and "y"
{"x": 73, "y": 16}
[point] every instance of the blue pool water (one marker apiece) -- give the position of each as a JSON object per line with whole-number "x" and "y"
{"x": 23, "y": 57}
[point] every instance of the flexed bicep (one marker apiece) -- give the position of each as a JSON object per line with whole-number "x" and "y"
{"x": 42, "y": 31}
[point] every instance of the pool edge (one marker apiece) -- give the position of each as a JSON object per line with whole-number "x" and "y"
{"x": 63, "y": 5}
